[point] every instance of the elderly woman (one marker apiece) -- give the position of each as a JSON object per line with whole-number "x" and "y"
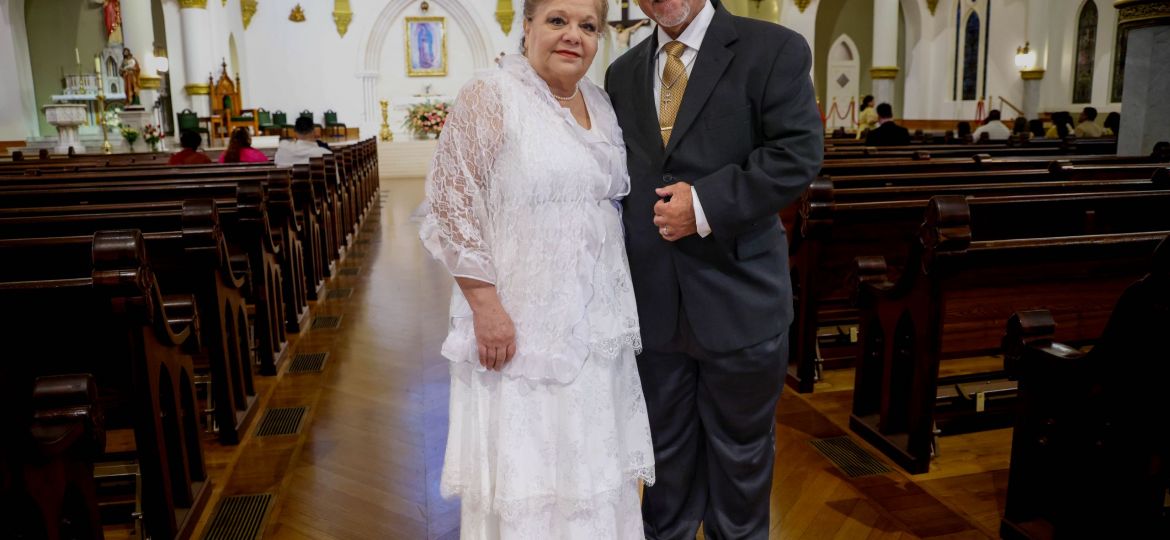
{"x": 548, "y": 433}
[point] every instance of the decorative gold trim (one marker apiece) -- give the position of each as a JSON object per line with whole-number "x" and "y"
{"x": 297, "y": 14}
{"x": 342, "y": 16}
{"x": 1032, "y": 74}
{"x": 192, "y": 4}
{"x": 505, "y": 15}
{"x": 1142, "y": 12}
{"x": 247, "y": 10}
{"x": 802, "y": 4}
{"x": 441, "y": 71}
{"x": 201, "y": 89}
{"x": 884, "y": 72}
{"x": 932, "y": 5}
{"x": 149, "y": 83}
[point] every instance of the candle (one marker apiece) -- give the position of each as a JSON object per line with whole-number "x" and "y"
{"x": 77, "y": 55}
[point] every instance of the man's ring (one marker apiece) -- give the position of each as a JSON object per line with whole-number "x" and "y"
{"x": 664, "y": 231}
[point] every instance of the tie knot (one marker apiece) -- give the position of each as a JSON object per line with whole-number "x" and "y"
{"x": 675, "y": 48}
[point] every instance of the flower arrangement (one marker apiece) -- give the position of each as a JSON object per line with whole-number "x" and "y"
{"x": 130, "y": 134}
{"x": 427, "y": 118}
{"x": 152, "y": 135}
{"x": 113, "y": 119}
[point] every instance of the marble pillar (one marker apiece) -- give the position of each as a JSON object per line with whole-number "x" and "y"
{"x": 1145, "y": 111}
{"x": 885, "y": 51}
{"x": 197, "y": 58}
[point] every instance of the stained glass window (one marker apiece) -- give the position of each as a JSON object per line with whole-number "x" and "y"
{"x": 1086, "y": 49}
{"x": 971, "y": 58}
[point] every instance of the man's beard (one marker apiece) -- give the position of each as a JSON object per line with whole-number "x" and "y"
{"x": 680, "y": 16}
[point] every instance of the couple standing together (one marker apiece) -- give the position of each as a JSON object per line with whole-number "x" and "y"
{"x": 555, "y": 204}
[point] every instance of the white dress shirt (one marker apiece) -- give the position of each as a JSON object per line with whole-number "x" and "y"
{"x": 995, "y": 131}
{"x": 692, "y": 37}
{"x": 290, "y": 153}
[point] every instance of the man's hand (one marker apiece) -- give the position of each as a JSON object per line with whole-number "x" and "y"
{"x": 674, "y": 214}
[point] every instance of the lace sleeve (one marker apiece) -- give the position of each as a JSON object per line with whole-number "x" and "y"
{"x": 458, "y": 181}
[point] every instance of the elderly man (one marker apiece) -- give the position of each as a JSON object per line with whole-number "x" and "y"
{"x": 721, "y": 133}
{"x": 304, "y": 147}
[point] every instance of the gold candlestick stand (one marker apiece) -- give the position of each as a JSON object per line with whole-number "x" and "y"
{"x": 385, "y": 133}
{"x": 107, "y": 148}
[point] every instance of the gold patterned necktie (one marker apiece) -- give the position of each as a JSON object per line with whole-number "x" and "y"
{"x": 674, "y": 83}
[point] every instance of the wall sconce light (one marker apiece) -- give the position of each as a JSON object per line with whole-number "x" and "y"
{"x": 1025, "y": 57}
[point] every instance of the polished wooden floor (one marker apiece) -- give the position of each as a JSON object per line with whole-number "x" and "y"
{"x": 366, "y": 463}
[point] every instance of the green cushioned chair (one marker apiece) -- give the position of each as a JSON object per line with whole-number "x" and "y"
{"x": 264, "y": 121}
{"x": 188, "y": 120}
{"x": 338, "y": 129}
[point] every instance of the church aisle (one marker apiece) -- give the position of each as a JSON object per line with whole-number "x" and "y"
{"x": 367, "y": 460}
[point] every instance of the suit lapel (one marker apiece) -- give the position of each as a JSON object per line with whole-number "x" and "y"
{"x": 712, "y": 61}
{"x": 643, "y": 96}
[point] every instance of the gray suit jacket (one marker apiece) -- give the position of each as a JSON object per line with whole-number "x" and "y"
{"x": 749, "y": 138}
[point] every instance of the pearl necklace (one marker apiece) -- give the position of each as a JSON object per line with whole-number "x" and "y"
{"x": 576, "y": 91}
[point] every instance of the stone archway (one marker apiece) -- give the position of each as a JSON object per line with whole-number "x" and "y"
{"x": 374, "y": 43}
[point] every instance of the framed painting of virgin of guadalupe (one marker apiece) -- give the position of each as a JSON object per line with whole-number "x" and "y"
{"x": 426, "y": 47}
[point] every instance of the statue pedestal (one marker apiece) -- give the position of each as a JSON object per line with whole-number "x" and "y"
{"x": 66, "y": 117}
{"x": 136, "y": 116}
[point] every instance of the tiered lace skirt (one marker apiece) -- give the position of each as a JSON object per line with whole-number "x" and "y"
{"x": 546, "y": 460}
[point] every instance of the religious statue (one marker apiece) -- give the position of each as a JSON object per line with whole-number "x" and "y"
{"x": 112, "y": 12}
{"x": 130, "y": 71}
{"x": 625, "y": 32}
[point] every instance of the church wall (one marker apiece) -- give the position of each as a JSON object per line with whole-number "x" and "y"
{"x": 1057, "y": 88}
{"x": 834, "y": 18}
{"x": 54, "y": 30}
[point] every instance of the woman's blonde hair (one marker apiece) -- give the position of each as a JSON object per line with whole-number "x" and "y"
{"x": 601, "y": 5}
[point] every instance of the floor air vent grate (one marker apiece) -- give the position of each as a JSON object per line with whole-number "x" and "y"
{"x": 281, "y": 421}
{"x": 308, "y": 362}
{"x": 340, "y": 293}
{"x": 326, "y": 322}
{"x": 852, "y": 459}
{"x": 240, "y": 517}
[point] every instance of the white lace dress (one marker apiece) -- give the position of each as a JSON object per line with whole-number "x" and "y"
{"x": 520, "y": 195}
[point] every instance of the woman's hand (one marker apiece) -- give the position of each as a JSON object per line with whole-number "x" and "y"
{"x": 495, "y": 335}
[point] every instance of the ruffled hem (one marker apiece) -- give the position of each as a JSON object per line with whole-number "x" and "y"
{"x": 566, "y": 507}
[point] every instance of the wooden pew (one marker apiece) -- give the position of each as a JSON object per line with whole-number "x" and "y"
{"x": 975, "y": 262}
{"x": 49, "y": 458}
{"x": 834, "y": 226}
{"x": 92, "y": 305}
{"x": 189, "y": 255}
{"x": 246, "y": 225}
{"x": 1090, "y": 452}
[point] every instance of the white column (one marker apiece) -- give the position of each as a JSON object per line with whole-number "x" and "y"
{"x": 197, "y": 59}
{"x": 138, "y": 36}
{"x": 803, "y": 23}
{"x": 1037, "y": 40}
{"x": 885, "y": 50}
{"x": 371, "y": 115}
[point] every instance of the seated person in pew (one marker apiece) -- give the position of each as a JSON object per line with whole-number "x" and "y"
{"x": 304, "y": 147}
{"x": 993, "y": 127}
{"x": 240, "y": 149}
{"x": 190, "y": 154}
{"x": 1087, "y": 128}
{"x": 887, "y": 133}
